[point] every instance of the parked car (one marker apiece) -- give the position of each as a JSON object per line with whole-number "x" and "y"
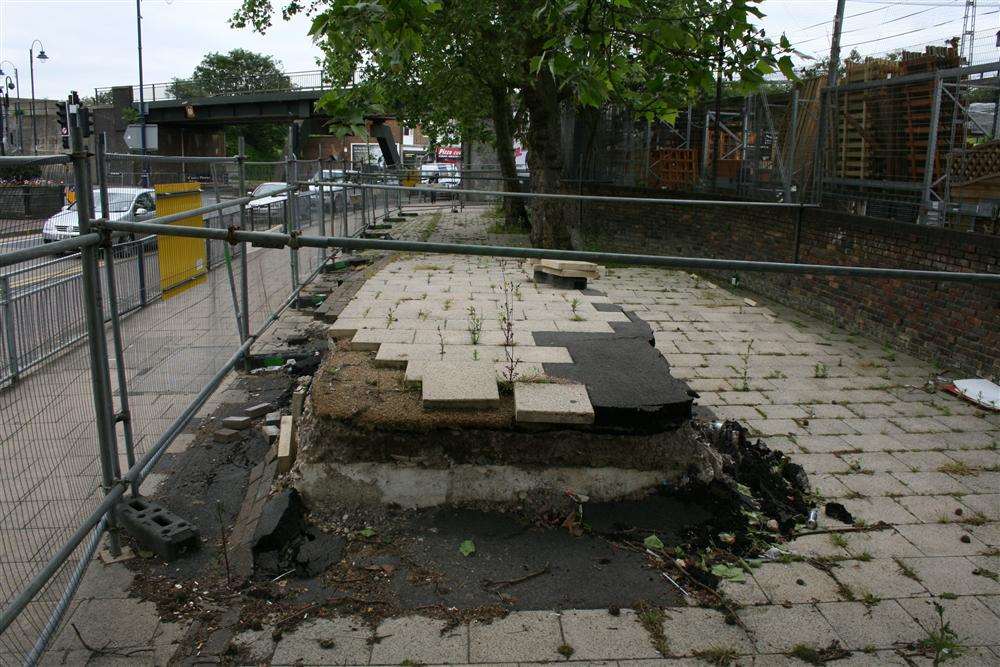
{"x": 329, "y": 177}
{"x": 131, "y": 204}
{"x": 268, "y": 195}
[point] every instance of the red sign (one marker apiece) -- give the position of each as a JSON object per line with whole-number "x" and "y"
{"x": 449, "y": 153}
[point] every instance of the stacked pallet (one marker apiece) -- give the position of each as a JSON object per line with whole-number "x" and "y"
{"x": 859, "y": 147}
{"x": 675, "y": 168}
{"x": 916, "y": 100}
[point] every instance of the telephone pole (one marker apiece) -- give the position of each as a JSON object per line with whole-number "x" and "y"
{"x": 831, "y": 82}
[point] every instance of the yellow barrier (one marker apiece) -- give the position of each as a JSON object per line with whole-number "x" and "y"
{"x": 182, "y": 260}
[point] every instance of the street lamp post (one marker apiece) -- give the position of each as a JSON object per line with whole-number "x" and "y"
{"x": 142, "y": 97}
{"x": 31, "y": 62}
{"x": 17, "y": 102}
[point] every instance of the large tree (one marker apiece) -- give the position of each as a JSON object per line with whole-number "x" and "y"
{"x": 649, "y": 56}
{"x": 239, "y": 71}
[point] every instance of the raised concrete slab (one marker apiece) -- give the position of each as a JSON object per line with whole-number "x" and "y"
{"x": 552, "y": 403}
{"x": 522, "y": 370}
{"x": 372, "y": 339}
{"x": 457, "y": 384}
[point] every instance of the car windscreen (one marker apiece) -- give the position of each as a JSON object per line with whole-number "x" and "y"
{"x": 269, "y": 189}
{"x": 117, "y": 202}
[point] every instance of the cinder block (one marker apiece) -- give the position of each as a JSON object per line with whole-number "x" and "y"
{"x": 237, "y": 423}
{"x": 163, "y": 532}
{"x": 271, "y": 432}
{"x": 255, "y": 411}
{"x": 226, "y": 435}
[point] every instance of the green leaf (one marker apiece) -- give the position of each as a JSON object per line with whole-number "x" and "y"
{"x": 653, "y": 542}
{"x": 467, "y": 548}
{"x": 785, "y": 65}
{"x": 367, "y": 532}
{"x": 729, "y": 572}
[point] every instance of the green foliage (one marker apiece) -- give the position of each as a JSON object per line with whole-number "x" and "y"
{"x": 943, "y": 643}
{"x": 653, "y": 542}
{"x": 239, "y": 71}
{"x": 481, "y": 69}
{"x": 467, "y": 548}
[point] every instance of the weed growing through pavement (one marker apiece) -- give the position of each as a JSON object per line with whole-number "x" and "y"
{"x": 820, "y": 370}
{"x": 718, "y": 655}
{"x": 745, "y": 375}
{"x": 475, "y": 325}
{"x": 943, "y": 643}
{"x": 440, "y": 340}
{"x": 505, "y": 317}
{"x": 574, "y": 304}
{"x": 652, "y": 619}
{"x": 390, "y": 317}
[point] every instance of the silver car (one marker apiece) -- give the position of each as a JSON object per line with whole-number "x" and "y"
{"x": 131, "y": 204}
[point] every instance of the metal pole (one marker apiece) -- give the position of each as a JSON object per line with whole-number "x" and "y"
{"x": 831, "y": 82}
{"x": 291, "y": 206}
{"x": 793, "y": 124}
{"x": 704, "y": 146}
{"x": 322, "y": 212}
{"x": 8, "y": 326}
{"x": 932, "y": 138}
{"x": 346, "y": 198}
{"x": 798, "y": 233}
{"x": 125, "y": 414}
{"x": 100, "y": 375}
{"x": 34, "y": 121}
{"x": 142, "y": 98}
{"x": 241, "y": 167}
{"x": 718, "y": 116}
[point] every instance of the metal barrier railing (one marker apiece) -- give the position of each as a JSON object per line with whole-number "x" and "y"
{"x": 94, "y": 239}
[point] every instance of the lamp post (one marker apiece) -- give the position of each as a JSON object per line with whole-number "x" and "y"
{"x": 142, "y": 97}
{"x": 31, "y": 63}
{"x": 17, "y": 102}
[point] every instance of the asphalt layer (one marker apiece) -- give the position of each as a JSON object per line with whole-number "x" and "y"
{"x": 592, "y": 571}
{"x": 627, "y": 379}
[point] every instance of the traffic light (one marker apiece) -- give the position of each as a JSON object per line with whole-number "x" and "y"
{"x": 85, "y": 121}
{"x": 63, "y": 120}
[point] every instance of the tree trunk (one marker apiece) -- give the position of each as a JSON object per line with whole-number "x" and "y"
{"x": 514, "y": 211}
{"x": 549, "y": 218}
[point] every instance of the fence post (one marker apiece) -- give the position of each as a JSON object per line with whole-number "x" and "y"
{"x": 798, "y": 231}
{"x": 291, "y": 208}
{"x": 932, "y": 139}
{"x": 244, "y": 278}
{"x": 125, "y": 415}
{"x": 100, "y": 375}
{"x": 8, "y": 326}
{"x": 346, "y": 202}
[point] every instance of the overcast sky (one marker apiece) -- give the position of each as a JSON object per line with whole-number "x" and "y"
{"x": 92, "y": 43}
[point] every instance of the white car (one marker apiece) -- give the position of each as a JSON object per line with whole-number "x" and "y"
{"x": 131, "y": 204}
{"x": 268, "y": 195}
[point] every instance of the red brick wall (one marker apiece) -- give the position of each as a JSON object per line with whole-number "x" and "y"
{"x": 955, "y": 324}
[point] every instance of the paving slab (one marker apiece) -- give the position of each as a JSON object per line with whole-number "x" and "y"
{"x": 777, "y": 629}
{"x": 973, "y": 620}
{"x": 882, "y": 625}
{"x": 552, "y": 403}
{"x": 518, "y": 637}
{"x": 462, "y": 385}
{"x": 419, "y": 640}
{"x": 338, "y": 641}
{"x": 597, "y": 635}
{"x": 691, "y": 630}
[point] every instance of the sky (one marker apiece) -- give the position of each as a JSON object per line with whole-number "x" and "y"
{"x": 92, "y": 43}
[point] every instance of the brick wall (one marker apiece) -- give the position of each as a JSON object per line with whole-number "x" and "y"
{"x": 955, "y": 324}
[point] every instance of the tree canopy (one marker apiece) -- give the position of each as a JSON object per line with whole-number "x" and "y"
{"x": 239, "y": 71}
{"x": 472, "y": 66}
